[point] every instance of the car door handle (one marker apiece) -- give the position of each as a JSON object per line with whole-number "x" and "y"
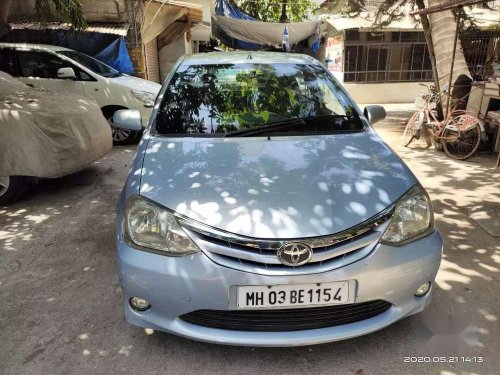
{"x": 30, "y": 85}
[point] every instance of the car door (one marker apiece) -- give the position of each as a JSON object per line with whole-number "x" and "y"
{"x": 8, "y": 62}
{"x": 39, "y": 69}
{"x": 95, "y": 84}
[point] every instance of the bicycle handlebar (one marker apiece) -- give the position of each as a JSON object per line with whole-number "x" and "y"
{"x": 432, "y": 90}
{"x": 426, "y": 86}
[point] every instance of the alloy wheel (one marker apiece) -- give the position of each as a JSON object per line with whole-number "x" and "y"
{"x": 119, "y": 135}
{"x": 4, "y": 184}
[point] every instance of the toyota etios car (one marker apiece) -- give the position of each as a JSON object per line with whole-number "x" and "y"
{"x": 262, "y": 209}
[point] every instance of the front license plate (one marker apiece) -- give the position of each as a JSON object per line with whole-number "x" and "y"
{"x": 254, "y": 297}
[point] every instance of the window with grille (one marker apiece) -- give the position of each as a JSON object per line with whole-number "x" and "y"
{"x": 481, "y": 49}
{"x": 386, "y": 57}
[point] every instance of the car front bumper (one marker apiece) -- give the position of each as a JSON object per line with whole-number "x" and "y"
{"x": 178, "y": 285}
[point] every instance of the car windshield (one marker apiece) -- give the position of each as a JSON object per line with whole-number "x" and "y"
{"x": 90, "y": 63}
{"x": 229, "y": 99}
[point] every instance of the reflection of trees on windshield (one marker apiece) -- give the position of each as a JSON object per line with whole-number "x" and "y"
{"x": 223, "y": 98}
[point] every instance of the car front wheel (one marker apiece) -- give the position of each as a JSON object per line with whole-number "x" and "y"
{"x": 12, "y": 188}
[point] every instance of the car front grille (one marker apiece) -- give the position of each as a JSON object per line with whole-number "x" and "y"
{"x": 286, "y": 320}
{"x": 260, "y": 255}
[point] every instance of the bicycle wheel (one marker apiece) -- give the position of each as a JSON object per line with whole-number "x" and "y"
{"x": 409, "y": 133}
{"x": 420, "y": 138}
{"x": 461, "y": 137}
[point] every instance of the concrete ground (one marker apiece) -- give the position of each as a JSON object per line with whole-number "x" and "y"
{"x": 60, "y": 308}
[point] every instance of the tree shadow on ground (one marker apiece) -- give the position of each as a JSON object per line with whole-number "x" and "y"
{"x": 462, "y": 319}
{"x": 62, "y": 307}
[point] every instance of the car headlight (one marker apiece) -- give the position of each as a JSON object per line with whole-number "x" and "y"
{"x": 148, "y": 98}
{"x": 151, "y": 226}
{"x": 412, "y": 218}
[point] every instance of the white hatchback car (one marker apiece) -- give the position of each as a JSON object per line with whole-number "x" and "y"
{"x": 62, "y": 69}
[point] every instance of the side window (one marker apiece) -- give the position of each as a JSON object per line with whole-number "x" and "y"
{"x": 40, "y": 64}
{"x": 82, "y": 75}
{"x": 8, "y": 61}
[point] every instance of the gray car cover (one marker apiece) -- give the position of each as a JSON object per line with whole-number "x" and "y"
{"x": 48, "y": 134}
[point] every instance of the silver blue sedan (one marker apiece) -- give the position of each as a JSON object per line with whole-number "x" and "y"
{"x": 262, "y": 209}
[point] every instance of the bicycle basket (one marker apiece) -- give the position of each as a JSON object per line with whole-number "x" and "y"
{"x": 420, "y": 101}
{"x": 434, "y": 100}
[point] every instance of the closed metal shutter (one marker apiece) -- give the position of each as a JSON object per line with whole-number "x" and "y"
{"x": 152, "y": 65}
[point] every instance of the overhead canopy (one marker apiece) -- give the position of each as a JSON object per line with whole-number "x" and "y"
{"x": 160, "y": 14}
{"x": 484, "y": 19}
{"x": 265, "y": 32}
{"x": 93, "y": 27}
{"x": 366, "y": 21}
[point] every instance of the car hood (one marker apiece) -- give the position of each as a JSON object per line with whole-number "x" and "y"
{"x": 138, "y": 84}
{"x": 285, "y": 187}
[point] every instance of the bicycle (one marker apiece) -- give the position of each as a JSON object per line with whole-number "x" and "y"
{"x": 459, "y": 133}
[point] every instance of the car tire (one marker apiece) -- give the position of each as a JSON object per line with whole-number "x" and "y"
{"x": 12, "y": 188}
{"x": 120, "y": 136}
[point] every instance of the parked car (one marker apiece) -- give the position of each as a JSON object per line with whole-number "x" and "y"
{"x": 62, "y": 69}
{"x": 45, "y": 134}
{"x": 262, "y": 209}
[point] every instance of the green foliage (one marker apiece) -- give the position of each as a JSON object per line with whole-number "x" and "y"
{"x": 66, "y": 10}
{"x": 270, "y": 10}
{"x": 264, "y": 97}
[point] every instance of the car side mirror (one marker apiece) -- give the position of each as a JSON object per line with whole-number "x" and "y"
{"x": 128, "y": 119}
{"x": 374, "y": 113}
{"x": 66, "y": 73}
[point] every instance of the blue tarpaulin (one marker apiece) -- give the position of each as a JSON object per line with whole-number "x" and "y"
{"x": 226, "y": 9}
{"x": 116, "y": 55}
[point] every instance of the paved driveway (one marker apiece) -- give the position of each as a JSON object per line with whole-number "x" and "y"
{"x": 60, "y": 310}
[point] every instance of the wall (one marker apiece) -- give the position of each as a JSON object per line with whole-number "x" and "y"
{"x": 202, "y": 31}
{"x": 206, "y": 5}
{"x": 380, "y": 93}
{"x": 105, "y": 10}
{"x": 169, "y": 54}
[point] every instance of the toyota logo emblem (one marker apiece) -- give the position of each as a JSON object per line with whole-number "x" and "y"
{"x": 294, "y": 254}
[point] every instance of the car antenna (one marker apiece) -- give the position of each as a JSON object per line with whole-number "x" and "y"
{"x": 249, "y": 56}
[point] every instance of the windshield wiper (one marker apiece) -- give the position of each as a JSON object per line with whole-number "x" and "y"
{"x": 339, "y": 123}
{"x": 292, "y": 122}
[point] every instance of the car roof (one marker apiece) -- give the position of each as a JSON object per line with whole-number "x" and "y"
{"x": 260, "y": 57}
{"x": 45, "y": 47}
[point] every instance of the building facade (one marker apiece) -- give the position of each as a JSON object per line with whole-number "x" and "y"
{"x": 388, "y": 64}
